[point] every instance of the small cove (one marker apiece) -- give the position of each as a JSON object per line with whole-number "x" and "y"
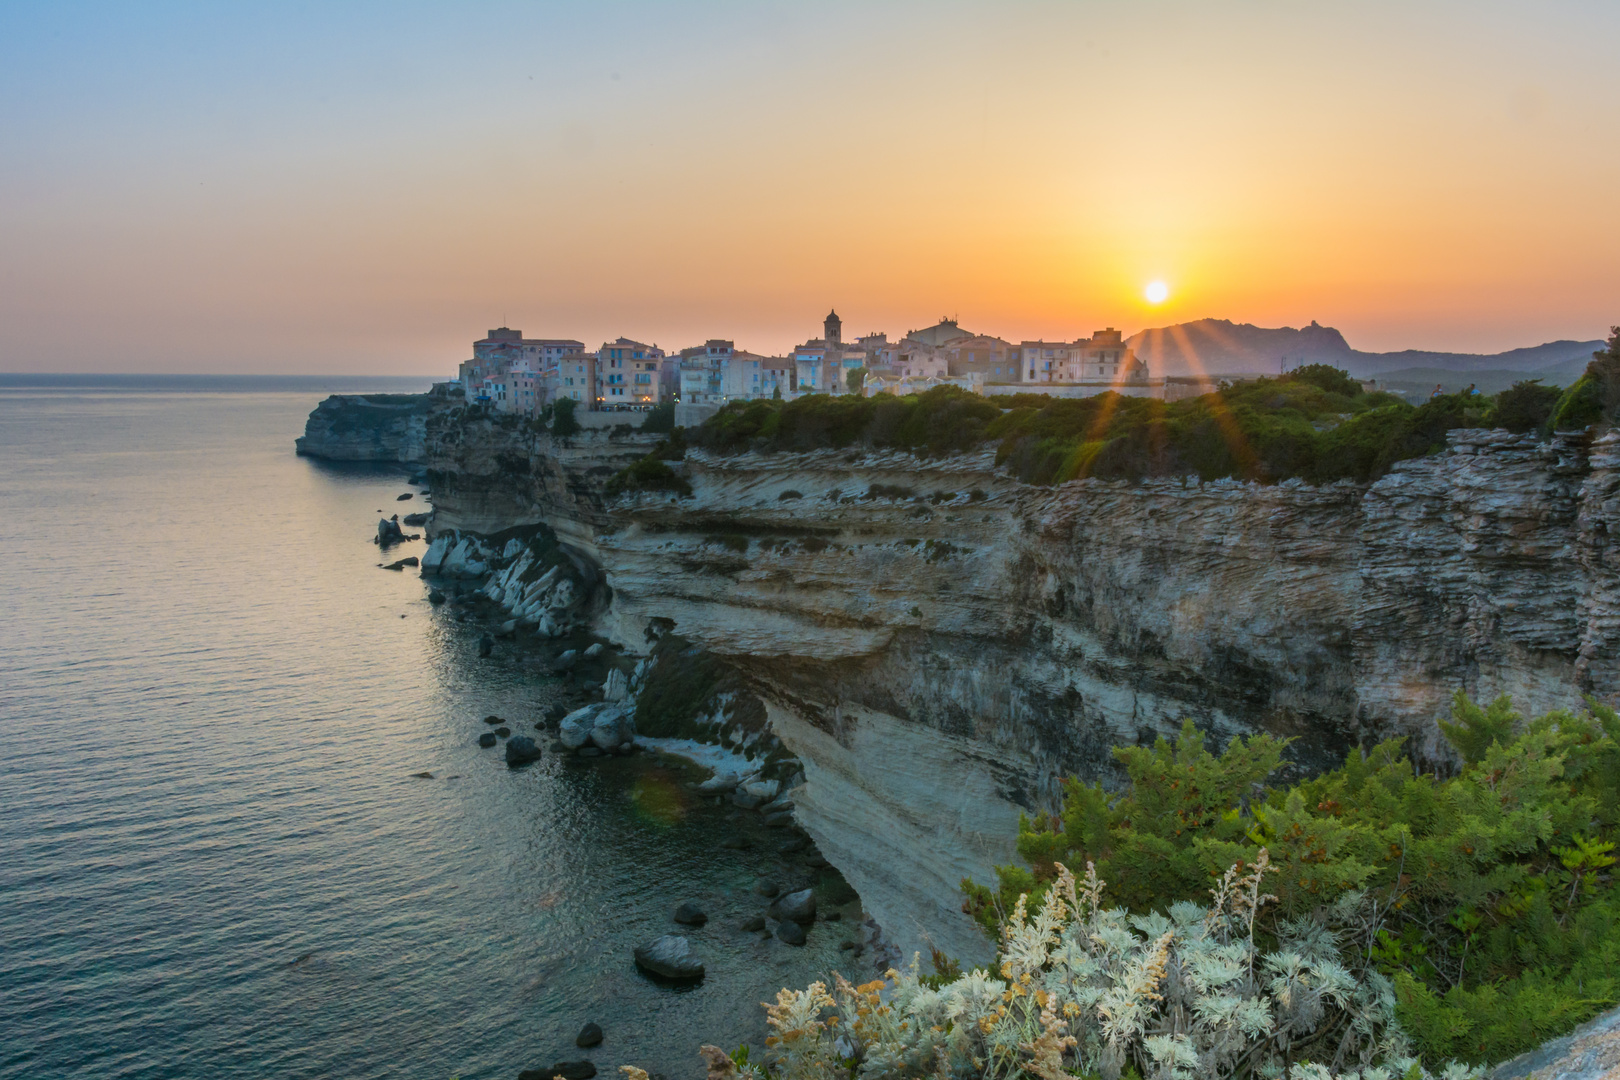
{"x": 216, "y": 859}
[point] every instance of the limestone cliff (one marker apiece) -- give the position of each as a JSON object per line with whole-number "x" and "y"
{"x": 939, "y": 644}
{"x": 372, "y": 427}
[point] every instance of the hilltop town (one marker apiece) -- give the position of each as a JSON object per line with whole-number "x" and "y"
{"x": 512, "y": 373}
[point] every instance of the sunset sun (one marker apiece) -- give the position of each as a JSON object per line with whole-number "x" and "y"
{"x": 1157, "y": 292}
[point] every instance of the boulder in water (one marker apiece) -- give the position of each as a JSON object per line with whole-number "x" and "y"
{"x": 763, "y": 790}
{"x": 790, "y": 932}
{"x": 521, "y": 750}
{"x": 486, "y": 645}
{"x": 617, "y": 686}
{"x": 414, "y": 519}
{"x": 671, "y": 957}
{"x": 719, "y": 784}
{"x": 799, "y": 907}
{"x": 435, "y": 597}
{"x": 606, "y": 724}
{"x": 589, "y": 1035}
{"x": 690, "y": 914}
{"x": 389, "y": 532}
{"x": 407, "y": 495}
{"x": 487, "y": 739}
{"x": 594, "y": 651}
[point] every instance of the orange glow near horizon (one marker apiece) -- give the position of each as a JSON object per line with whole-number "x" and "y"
{"x": 296, "y": 207}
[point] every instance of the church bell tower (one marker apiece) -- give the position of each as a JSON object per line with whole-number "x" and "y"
{"x": 834, "y": 329}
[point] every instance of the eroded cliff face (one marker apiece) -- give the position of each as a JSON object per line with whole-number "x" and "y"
{"x": 939, "y": 644}
{"x": 372, "y": 427}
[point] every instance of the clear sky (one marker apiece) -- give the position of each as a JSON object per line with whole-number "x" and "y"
{"x": 366, "y": 188}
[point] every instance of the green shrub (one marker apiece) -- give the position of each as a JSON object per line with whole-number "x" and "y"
{"x": 672, "y": 447}
{"x": 1314, "y": 423}
{"x": 1525, "y": 406}
{"x": 1493, "y": 897}
{"x": 563, "y": 423}
{"x": 889, "y": 491}
{"x": 1186, "y": 991}
{"x": 1326, "y": 377}
{"x": 647, "y": 474}
{"x": 660, "y": 419}
{"x": 1580, "y": 406}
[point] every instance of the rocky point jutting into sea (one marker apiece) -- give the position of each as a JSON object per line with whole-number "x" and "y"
{"x": 935, "y": 644}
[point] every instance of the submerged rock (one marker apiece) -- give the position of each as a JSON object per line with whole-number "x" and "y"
{"x": 521, "y": 750}
{"x": 719, "y": 784}
{"x": 799, "y": 906}
{"x": 407, "y": 495}
{"x": 589, "y": 1035}
{"x": 568, "y": 1070}
{"x": 670, "y": 956}
{"x": 435, "y": 597}
{"x": 690, "y": 914}
{"x": 790, "y": 932}
{"x": 752, "y": 926}
{"x": 414, "y": 519}
{"x": 487, "y": 739}
{"x": 594, "y": 651}
{"x": 486, "y": 645}
{"x": 766, "y": 887}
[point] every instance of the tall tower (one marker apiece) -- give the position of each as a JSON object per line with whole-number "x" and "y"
{"x": 834, "y": 329}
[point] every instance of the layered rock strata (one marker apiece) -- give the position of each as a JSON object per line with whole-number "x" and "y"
{"x": 939, "y": 645}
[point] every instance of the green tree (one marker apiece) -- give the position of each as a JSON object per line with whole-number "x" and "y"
{"x": 563, "y": 423}
{"x": 1525, "y": 406}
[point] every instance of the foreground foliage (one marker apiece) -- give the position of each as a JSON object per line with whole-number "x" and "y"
{"x": 1086, "y": 990}
{"x": 1486, "y": 896}
{"x": 1314, "y": 423}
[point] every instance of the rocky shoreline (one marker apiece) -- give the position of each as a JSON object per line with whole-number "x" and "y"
{"x": 937, "y": 645}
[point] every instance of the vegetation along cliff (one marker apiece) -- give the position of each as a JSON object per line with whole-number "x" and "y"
{"x": 942, "y": 607}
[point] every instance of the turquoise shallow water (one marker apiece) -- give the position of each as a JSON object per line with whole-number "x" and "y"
{"x": 214, "y": 859}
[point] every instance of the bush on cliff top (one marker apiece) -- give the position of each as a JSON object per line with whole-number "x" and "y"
{"x": 1488, "y": 896}
{"x": 1314, "y": 423}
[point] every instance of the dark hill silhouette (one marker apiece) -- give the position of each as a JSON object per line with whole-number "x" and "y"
{"x": 1222, "y": 347}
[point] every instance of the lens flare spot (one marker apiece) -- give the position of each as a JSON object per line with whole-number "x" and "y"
{"x": 1157, "y": 292}
{"x": 657, "y": 799}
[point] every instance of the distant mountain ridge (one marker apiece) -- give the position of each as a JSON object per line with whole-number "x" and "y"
{"x": 1222, "y": 347}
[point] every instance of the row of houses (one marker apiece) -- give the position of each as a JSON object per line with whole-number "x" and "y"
{"x": 511, "y": 373}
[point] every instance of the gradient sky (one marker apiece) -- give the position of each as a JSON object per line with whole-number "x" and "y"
{"x": 365, "y": 188}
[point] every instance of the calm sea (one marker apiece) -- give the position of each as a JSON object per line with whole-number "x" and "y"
{"x": 214, "y": 858}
